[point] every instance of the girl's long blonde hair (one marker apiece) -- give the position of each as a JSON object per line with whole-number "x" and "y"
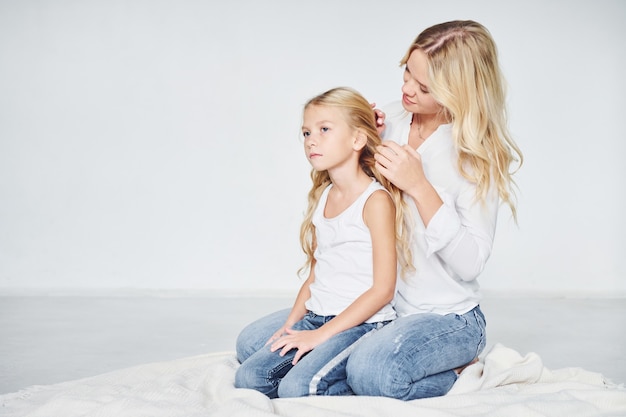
{"x": 465, "y": 78}
{"x": 359, "y": 115}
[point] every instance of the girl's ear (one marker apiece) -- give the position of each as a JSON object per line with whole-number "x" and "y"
{"x": 360, "y": 140}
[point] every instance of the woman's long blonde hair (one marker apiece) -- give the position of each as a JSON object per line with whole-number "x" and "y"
{"x": 465, "y": 78}
{"x": 359, "y": 115}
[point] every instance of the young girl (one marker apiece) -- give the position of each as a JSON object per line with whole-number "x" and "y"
{"x": 354, "y": 234}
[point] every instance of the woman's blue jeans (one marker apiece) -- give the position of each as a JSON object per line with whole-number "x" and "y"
{"x": 412, "y": 357}
{"x": 322, "y": 371}
{"x": 415, "y": 356}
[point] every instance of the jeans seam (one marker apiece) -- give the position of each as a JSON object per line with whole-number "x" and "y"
{"x": 337, "y": 359}
{"x": 270, "y": 375}
{"x": 483, "y": 336}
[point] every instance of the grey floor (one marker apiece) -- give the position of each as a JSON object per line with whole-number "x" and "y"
{"x": 45, "y": 340}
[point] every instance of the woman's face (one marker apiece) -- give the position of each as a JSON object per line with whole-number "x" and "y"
{"x": 416, "y": 97}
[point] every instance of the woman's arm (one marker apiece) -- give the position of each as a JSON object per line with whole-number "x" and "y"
{"x": 379, "y": 216}
{"x": 460, "y": 231}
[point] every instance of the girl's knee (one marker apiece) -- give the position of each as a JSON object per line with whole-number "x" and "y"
{"x": 251, "y": 378}
{"x": 244, "y": 347}
{"x": 292, "y": 389}
{"x": 244, "y": 377}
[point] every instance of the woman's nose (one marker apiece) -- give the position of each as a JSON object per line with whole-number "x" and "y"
{"x": 406, "y": 89}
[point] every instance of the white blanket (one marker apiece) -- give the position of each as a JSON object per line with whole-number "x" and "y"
{"x": 503, "y": 383}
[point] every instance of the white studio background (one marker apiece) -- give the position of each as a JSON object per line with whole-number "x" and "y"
{"x": 154, "y": 145}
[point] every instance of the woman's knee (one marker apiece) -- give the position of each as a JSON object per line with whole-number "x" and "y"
{"x": 378, "y": 366}
{"x": 367, "y": 370}
{"x": 376, "y": 381}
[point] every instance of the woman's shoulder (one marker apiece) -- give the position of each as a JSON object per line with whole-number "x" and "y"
{"x": 397, "y": 121}
{"x": 395, "y": 110}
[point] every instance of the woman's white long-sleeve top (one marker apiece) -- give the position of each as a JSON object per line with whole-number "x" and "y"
{"x": 452, "y": 251}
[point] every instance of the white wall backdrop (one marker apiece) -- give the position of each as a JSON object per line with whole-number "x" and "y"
{"x": 152, "y": 144}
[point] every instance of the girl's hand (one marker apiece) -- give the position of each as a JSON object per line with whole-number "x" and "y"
{"x": 303, "y": 340}
{"x": 380, "y": 118}
{"x": 278, "y": 334}
{"x": 401, "y": 165}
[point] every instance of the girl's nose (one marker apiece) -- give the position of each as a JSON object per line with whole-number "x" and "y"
{"x": 309, "y": 142}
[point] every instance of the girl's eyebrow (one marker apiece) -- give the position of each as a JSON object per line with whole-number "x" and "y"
{"x": 321, "y": 122}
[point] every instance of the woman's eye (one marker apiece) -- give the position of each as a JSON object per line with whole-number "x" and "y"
{"x": 306, "y": 134}
{"x": 324, "y": 129}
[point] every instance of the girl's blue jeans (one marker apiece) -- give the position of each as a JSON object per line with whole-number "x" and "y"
{"x": 322, "y": 371}
{"x": 412, "y": 357}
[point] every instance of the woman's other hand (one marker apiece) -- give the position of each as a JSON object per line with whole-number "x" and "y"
{"x": 380, "y": 118}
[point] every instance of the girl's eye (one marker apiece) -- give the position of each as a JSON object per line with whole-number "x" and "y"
{"x": 305, "y": 134}
{"x": 324, "y": 129}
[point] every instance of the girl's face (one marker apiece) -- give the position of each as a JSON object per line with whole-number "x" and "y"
{"x": 329, "y": 141}
{"x": 416, "y": 97}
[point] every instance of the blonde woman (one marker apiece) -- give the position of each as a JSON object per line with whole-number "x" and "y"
{"x": 353, "y": 225}
{"x": 448, "y": 148}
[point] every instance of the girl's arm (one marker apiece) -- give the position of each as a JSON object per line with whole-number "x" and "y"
{"x": 379, "y": 216}
{"x": 298, "y": 310}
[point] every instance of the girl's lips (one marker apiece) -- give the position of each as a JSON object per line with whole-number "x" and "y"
{"x": 313, "y": 155}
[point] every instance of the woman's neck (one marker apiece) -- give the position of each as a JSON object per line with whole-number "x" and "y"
{"x": 422, "y": 126}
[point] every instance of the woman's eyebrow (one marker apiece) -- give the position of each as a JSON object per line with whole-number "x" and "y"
{"x": 406, "y": 67}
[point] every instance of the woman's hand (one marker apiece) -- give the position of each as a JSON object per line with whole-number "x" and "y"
{"x": 303, "y": 340}
{"x": 401, "y": 165}
{"x": 380, "y": 118}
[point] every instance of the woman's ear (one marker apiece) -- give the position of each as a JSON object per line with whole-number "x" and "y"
{"x": 360, "y": 140}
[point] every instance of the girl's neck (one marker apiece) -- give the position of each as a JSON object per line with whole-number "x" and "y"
{"x": 346, "y": 189}
{"x": 350, "y": 183}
